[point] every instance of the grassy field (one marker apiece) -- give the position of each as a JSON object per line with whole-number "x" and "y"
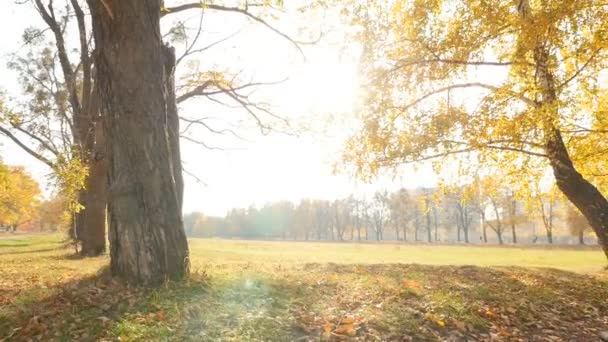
{"x": 288, "y": 291}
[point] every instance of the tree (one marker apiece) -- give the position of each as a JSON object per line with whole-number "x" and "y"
{"x": 577, "y": 224}
{"x": 400, "y": 208}
{"x": 341, "y": 211}
{"x": 460, "y": 202}
{"x": 134, "y": 80}
{"x": 426, "y": 205}
{"x": 380, "y": 213}
{"x": 53, "y": 214}
{"x": 322, "y": 218}
{"x": 135, "y": 76}
{"x": 18, "y": 196}
{"x": 428, "y": 97}
{"x": 493, "y": 204}
{"x": 58, "y": 122}
{"x": 60, "y": 80}
{"x": 303, "y": 219}
{"x": 546, "y": 203}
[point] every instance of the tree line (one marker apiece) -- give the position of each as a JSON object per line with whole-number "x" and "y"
{"x": 431, "y": 215}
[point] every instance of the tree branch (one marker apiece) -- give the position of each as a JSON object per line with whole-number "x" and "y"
{"x": 26, "y": 148}
{"x": 519, "y": 96}
{"x": 243, "y": 11}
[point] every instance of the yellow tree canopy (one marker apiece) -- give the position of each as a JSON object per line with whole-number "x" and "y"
{"x": 462, "y": 77}
{"x": 18, "y": 195}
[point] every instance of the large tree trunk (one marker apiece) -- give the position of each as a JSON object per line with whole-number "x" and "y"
{"x": 93, "y": 216}
{"x": 148, "y": 242}
{"x": 586, "y": 197}
{"x": 168, "y": 54}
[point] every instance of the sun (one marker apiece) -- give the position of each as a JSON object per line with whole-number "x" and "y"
{"x": 325, "y": 84}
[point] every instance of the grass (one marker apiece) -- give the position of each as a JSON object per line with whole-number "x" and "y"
{"x": 273, "y": 252}
{"x": 286, "y": 291}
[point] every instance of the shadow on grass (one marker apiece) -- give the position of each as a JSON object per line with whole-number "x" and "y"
{"x": 94, "y": 307}
{"x": 387, "y": 302}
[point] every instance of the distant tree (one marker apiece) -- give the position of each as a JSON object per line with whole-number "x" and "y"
{"x": 342, "y": 219}
{"x": 426, "y": 203}
{"x": 53, "y": 214}
{"x": 193, "y": 224}
{"x": 303, "y": 219}
{"x": 491, "y": 206}
{"x": 512, "y": 213}
{"x": 546, "y": 203}
{"x": 401, "y": 210}
{"x": 322, "y": 219}
{"x": 460, "y": 203}
{"x": 577, "y": 223}
{"x": 380, "y": 213}
{"x": 18, "y": 196}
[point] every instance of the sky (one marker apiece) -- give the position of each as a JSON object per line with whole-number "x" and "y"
{"x": 319, "y": 100}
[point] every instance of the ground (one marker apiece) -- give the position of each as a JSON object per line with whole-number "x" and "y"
{"x": 296, "y": 291}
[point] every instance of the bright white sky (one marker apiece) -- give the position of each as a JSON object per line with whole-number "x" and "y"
{"x": 321, "y": 92}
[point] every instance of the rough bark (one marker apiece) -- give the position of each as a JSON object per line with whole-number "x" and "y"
{"x": 94, "y": 215}
{"x": 586, "y": 197}
{"x": 168, "y": 54}
{"x": 92, "y": 219}
{"x": 148, "y": 242}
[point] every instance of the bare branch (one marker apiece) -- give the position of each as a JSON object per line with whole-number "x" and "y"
{"x": 243, "y": 11}
{"x": 23, "y": 146}
{"x": 38, "y": 139}
{"x": 198, "y": 180}
{"x": 207, "y": 47}
{"x": 202, "y": 122}
{"x": 201, "y": 143}
{"x": 66, "y": 66}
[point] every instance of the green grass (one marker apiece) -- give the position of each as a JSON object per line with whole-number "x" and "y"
{"x": 285, "y": 291}
{"x": 273, "y": 252}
